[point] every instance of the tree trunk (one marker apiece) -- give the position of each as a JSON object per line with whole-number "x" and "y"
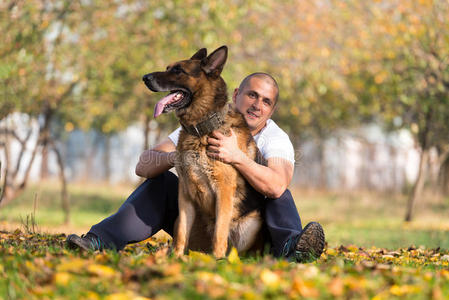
{"x": 90, "y": 148}
{"x": 394, "y": 170}
{"x": 107, "y": 158}
{"x": 443, "y": 177}
{"x": 418, "y": 186}
{"x": 44, "y": 162}
{"x": 22, "y": 152}
{"x": 30, "y": 164}
{"x": 322, "y": 184}
{"x": 443, "y": 172}
{"x": 146, "y": 132}
{"x": 45, "y": 133}
{"x": 6, "y": 190}
{"x": 65, "y": 201}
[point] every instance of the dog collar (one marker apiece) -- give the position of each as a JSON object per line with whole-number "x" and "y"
{"x": 213, "y": 122}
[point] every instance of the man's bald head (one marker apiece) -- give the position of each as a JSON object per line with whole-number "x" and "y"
{"x": 263, "y": 76}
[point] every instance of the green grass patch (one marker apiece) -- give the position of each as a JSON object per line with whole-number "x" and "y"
{"x": 38, "y": 266}
{"x": 364, "y": 219}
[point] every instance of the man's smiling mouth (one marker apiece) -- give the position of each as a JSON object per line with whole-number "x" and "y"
{"x": 253, "y": 115}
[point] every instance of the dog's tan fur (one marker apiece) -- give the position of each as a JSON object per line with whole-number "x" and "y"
{"x": 216, "y": 204}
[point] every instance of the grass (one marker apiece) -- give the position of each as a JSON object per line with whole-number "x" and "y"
{"x": 359, "y": 218}
{"x": 90, "y": 203}
{"x": 37, "y": 266}
{"x": 375, "y": 219}
{"x": 382, "y": 265}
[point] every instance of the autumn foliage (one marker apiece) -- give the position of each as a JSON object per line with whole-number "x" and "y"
{"x": 38, "y": 266}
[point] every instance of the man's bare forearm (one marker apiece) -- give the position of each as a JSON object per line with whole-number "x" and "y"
{"x": 264, "y": 179}
{"x": 153, "y": 163}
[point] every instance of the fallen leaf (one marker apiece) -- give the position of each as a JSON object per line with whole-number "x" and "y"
{"x": 336, "y": 287}
{"x": 125, "y": 296}
{"x": 270, "y": 278}
{"x": 305, "y": 289}
{"x": 74, "y": 265}
{"x": 172, "y": 270}
{"x": 101, "y": 271}
{"x": 233, "y": 256}
{"x": 210, "y": 277}
{"x": 62, "y": 278}
{"x": 90, "y": 295}
{"x": 198, "y": 256}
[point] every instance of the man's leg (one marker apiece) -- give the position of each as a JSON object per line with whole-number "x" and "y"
{"x": 287, "y": 235}
{"x": 151, "y": 207}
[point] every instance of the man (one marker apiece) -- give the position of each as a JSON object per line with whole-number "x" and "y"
{"x": 153, "y": 205}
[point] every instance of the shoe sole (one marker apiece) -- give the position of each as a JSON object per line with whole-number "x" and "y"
{"x": 75, "y": 242}
{"x": 311, "y": 242}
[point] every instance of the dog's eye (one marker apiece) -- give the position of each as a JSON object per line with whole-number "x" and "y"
{"x": 176, "y": 69}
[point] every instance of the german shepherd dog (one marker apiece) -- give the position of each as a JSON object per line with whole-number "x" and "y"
{"x": 216, "y": 204}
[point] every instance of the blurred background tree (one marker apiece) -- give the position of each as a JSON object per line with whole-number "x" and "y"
{"x": 340, "y": 64}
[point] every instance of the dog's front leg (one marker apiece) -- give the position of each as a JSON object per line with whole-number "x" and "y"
{"x": 223, "y": 220}
{"x": 184, "y": 222}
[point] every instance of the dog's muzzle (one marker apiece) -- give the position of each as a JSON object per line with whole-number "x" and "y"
{"x": 149, "y": 81}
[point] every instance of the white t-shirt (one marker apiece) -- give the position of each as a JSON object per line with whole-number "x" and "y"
{"x": 272, "y": 142}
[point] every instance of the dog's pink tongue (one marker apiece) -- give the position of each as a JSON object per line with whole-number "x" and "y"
{"x": 162, "y": 103}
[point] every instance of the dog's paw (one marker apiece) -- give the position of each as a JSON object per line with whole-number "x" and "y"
{"x": 219, "y": 253}
{"x": 178, "y": 252}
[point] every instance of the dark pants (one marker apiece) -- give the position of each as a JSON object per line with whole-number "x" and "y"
{"x": 154, "y": 206}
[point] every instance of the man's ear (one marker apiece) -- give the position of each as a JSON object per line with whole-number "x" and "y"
{"x": 200, "y": 54}
{"x": 234, "y": 95}
{"x": 214, "y": 63}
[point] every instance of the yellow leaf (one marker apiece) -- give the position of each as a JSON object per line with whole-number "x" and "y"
{"x": 233, "y": 256}
{"x": 118, "y": 296}
{"x": 101, "y": 257}
{"x": 210, "y": 277}
{"x": 41, "y": 291}
{"x": 125, "y": 296}
{"x": 74, "y": 265}
{"x": 198, "y": 256}
{"x": 294, "y": 110}
{"x": 90, "y": 295}
{"x": 270, "y": 278}
{"x": 69, "y": 126}
{"x": 250, "y": 295}
{"x": 62, "y": 278}
{"x": 172, "y": 270}
{"x": 331, "y": 251}
{"x": 336, "y": 287}
{"x": 30, "y": 266}
{"x": 353, "y": 248}
{"x": 101, "y": 271}
{"x": 306, "y": 289}
{"x": 400, "y": 290}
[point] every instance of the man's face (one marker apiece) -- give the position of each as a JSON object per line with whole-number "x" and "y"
{"x": 256, "y": 102}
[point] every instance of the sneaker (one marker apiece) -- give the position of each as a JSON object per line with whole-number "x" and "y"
{"x": 306, "y": 247}
{"x": 86, "y": 242}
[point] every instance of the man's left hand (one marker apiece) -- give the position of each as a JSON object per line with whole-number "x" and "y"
{"x": 224, "y": 148}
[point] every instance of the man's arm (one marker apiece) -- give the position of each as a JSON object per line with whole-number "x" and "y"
{"x": 157, "y": 160}
{"x": 271, "y": 180}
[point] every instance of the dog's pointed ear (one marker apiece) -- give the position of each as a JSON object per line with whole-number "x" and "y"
{"x": 214, "y": 63}
{"x": 200, "y": 54}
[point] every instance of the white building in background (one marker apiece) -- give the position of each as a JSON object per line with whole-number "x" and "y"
{"x": 363, "y": 158}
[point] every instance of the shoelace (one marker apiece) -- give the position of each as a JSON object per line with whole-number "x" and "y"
{"x": 289, "y": 246}
{"x": 95, "y": 242}
{"x": 289, "y": 251}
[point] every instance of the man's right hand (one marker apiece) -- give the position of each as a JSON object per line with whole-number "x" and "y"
{"x": 157, "y": 160}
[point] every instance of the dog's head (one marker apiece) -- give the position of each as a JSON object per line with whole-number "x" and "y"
{"x": 184, "y": 79}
